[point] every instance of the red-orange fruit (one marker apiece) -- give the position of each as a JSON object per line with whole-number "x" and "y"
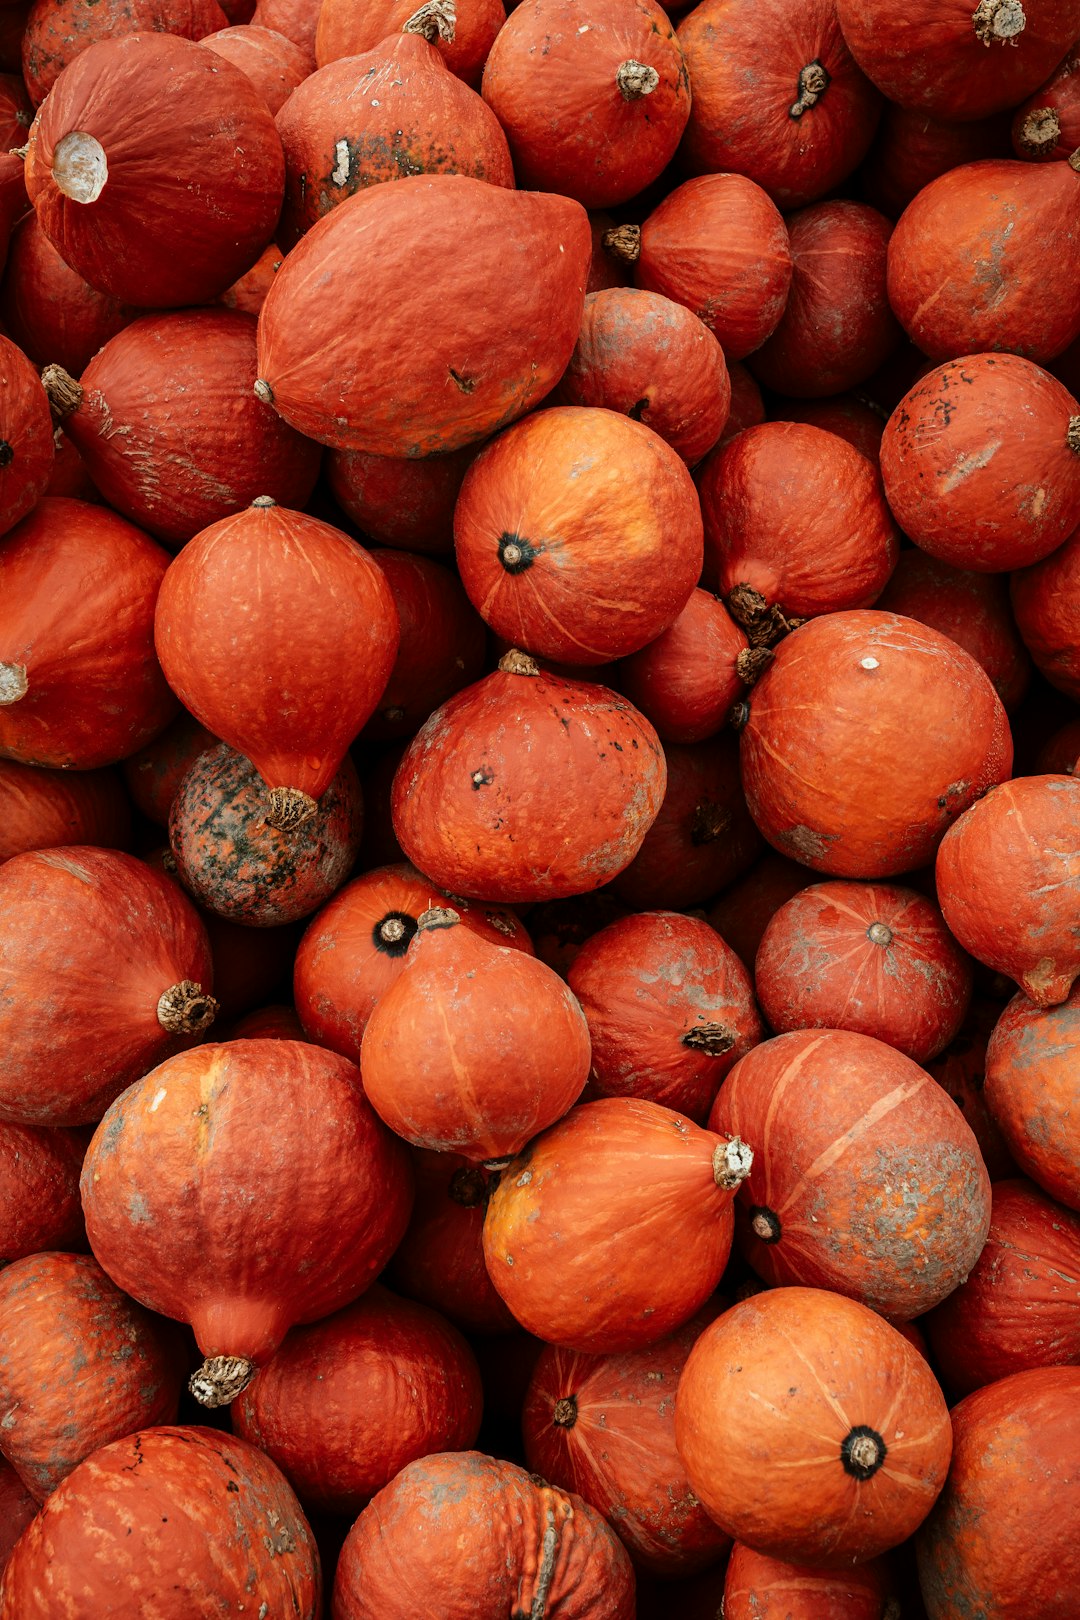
{"x": 527, "y": 786}
{"x": 59, "y": 30}
{"x": 869, "y": 957}
{"x": 40, "y": 809}
{"x": 594, "y": 113}
{"x": 194, "y": 1149}
{"x": 747, "y": 405}
{"x": 1059, "y": 754}
{"x": 228, "y": 633}
{"x": 655, "y": 361}
{"x": 80, "y": 685}
{"x": 795, "y": 525}
{"x": 1033, "y": 1091}
{"x": 824, "y": 788}
{"x": 248, "y": 292}
{"x": 744, "y": 911}
{"x": 1018, "y": 1307}
{"x": 105, "y": 969}
{"x": 760, "y": 1588}
{"x": 463, "y": 38}
{"x": 912, "y": 147}
{"x": 80, "y": 1365}
{"x": 604, "y": 1427}
{"x": 182, "y": 1520}
{"x": 561, "y": 927}
{"x": 26, "y": 436}
{"x": 16, "y": 111}
{"x": 474, "y": 1047}
{"x": 17, "y": 1509}
{"x": 1005, "y": 1534}
{"x": 39, "y": 1190}
{"x": 153, "y": 774}
{"x": 344, "y": 1404}
{"x": 719, "y": 245}
{"x": 578, "y": 535}
{"x": 670, "y": 1009}
{"x": 687, "y": 680}
{"x": 844, "y": 414}
{"x": 1042, "y": 598}
{"x": 296, "y": 19}
{"x": 440, "y": 1260}
{"x": 512, "y": 267}
{"x": 840, "y": 1121}
{"x": 496, "y": 1541}
{"x": 55, "y": 316}
{"x": 273, "y": 1022}
{"x": 1046, "y": 127}
{"x": 777, "y": 96}
{"x": 810, "y": 1429}
{"x": 979, "y": 261}
{"x": 363, "y": 120}
{"x": 648, "y": 1196}
{"x": 961, "y": 1071}
{"x": 409, "y": 504}
{"x": 274, "y": 64}
{"x": 13, "y": 198}
{"x": 442, "y": 643}
{"x": 1007, "y": 876}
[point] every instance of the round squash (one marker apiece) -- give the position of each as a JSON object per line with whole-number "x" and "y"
{"x": 442, "y": 645}
{"x": 59, "y": 30}
{"x": 153, "y": 774}
{"x": 687, "y": 680}
{"x": 463, "y": 33}
{"x": 40, "y": 809}
{"x": 912, "y": 148}
{"x": 274, "y": 64}
{"x": 26, "y": 436}
{"x": 55, "y": 316}
{"x": 1041, "y": 599}
{"x": 1032, "y": 1092}
{"x": 1046, "y": 127}
{"x": 39, "y": 1190}
{"x": 760, "y": 1588}
{"x": 409, "y": 504}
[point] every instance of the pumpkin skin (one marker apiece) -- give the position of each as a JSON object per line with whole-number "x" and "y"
{"x": 912, "y": 148}
{"x": 16, "y": 111}
{"x": 105, "y": 969}
{"x": 744, "y": 911}
{"x": 250, "y": 1251}
{"x": 972, "y": 609}
{"x": 13, "y": 198}
{"x": 368, "y": 119}
{"x": 653, "y": 360}
{"x": 80, "y": 1365}
{"x": 483, "y": 820}
{"x": 578, "y": 535}
{"x": 59, "y": 30}
{"x": 799, "y": 1376}
{"x": 296, "y": 19}
{"x": 344, "y": 1404}
{"x": 183, "y": 233}
{"x": 291, "y": 706}
{"x": 979, "y": 261}
{"x": 512, "y": 272}
{"x": 17, "y": 1510}
{"x": 747, "y": 405}
{"x": 603, "y": 1427}
{"x": 1046, "y": 127}
{"x": 748, "y": 64}
{"x": 474, "y": 1047}
{"x": 1041, "y": 599}
{"x": 580, "y": 117}
{"x": 1014, "y": 1462}
{"x": 825, "y": 793}
{"x": 870, "y": 1136}
{"x": 761, "y": 1588}
{"x": 845, "y": 415}
{"x": 26, "y": 436}
{"x": 41, "y": 809}
{"x": 1059, "y": 753}
{"x": 176, "y": 390}
{"x": 540, "y": 1550}
{"x": 688, "y": 679}
{"x": 442, "y": 644}
{"x": 242, "y": 867}
{"x": 958, "y": 61}
{"x": 275, "y": 1023}
{"x": 55, "y": 316}
{"x": 648, "y": 1196}
{"x": 870, "y": 957}
{"x": 194, "y": 1560}
{"x": 1031, "y": 1092}
{"x": 153, "y": 775}
{"x": 837, "y": 328}
{"x": 408, "y": 504}
{"x": 795, "y": 525}
{"x": 719, "y": 245}
{"x": 345, "y": 30}
{"x": 274, "y": 64}
{"x": 670, "y": 1009}
{"x": 1007, "y": 879}
{"x": 1017, "y": 1309}
{"x": 79, "y": 683}
{"x": 39, "y": 1190}
{"x": 440, "y": 1260}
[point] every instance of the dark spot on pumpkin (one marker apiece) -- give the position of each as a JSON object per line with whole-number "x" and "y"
{"x": 7, "y": 454}
{"x": 638, "y": 409}
{"x": 466, "y": 384}
{"x": 482, "y": 777}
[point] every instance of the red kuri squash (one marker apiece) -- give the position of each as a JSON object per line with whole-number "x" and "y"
{"x": 274, "y": 64}
{"x": 1042, "y": 600}
{"x": 55, "y": 316}
{"x": 39, "y": 1190}
{"x": 26, "y": 436}
{"x": 1033, "y": 1092}
{"x": 59, "y": 30}
{"x": 687, "y": 680}
{"x": 462, "y": 33}
{"x": 40, "y": 809}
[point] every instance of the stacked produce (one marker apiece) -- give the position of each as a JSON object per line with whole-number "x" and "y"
{"x": 540, "y": 810}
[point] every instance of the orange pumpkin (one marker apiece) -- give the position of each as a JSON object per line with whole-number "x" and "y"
{"x": 1033, "y": 1091}
{"x": 761, "y": 1588}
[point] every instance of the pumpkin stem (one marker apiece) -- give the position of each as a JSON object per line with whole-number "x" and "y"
{"x": 185, "y": 1008}
{"x": 623, "y": 242}
{"x": 1073, "y": 160}
{"x": 565, "y": 1413}
{"x": 998, "y": 20}
{"x": 392, "y": 933}
{"x": 709, "y": 823}
{"x": 221, "y": 1379}
{"x": 13, "y": 683}
{"x": 1072, "y": 437}
{"x": 739, "y": 716}
{"x": 1039, "y": 132}
{"x": 814, "y": 80}
{"x": 262, "y": 503}
{"x": 636, "y": 79}
{"x": 435, "y": 20}
{"x": 437, "y": 917}
{"x": 765, "y": 1224}
{"x": 879, "y": 933}
{"x": 80, "y": 167}
{"x": 752, "y": 662}
{"x": 765, "y": 622}
{"x": 518, "y": 663}
{"x": 289, "y": 809}
{"x": 712, "y": 1039}
{"x": 731, "y": 1163}
{"x": 64, "y": 394}
{"x": 264, "y": 391}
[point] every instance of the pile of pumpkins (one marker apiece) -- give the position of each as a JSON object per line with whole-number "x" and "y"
{"x": 539, "y": 813}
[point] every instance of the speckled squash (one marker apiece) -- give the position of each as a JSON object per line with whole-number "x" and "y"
{"x": 810, "y": 1429}
{"x": 1008, "y": 881}
{"x": 110, "y": 1367}
{"x": 40, "y": 809}
{"x": 648, "y": 1197}
{"x": 1033, "y": 1092}
{"x": 104, "y": 970}
{"x": 511, "y": 270}
{"x": 485, "y": 818}
{"x": 59, "y": 30}
{"x": 760, "y": 1588}
{"x": 688, "y": 680}
{"x": 539, "y": 1551}
{"x": 670, "y": 1009}
{"x": 196, "y": 1148}
{"x": 344, "y": 1404}
{"x": 441, "y": 646}
{"x": 866, "y": 1180}
{"x": 1042, "y": 598}
{"x": 604, "y": 1427}
{"x": 1014, "y": 1463}
{"x": 188, "y": 1520}
{"x": 238, "y": 864}
{"x": 463, "y": 40}
{"x": 39, "y": 1190}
